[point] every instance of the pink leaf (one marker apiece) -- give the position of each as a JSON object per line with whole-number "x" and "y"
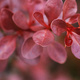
{"x": 27, "y": 35}
{"x": 3, "y": 64}
{"x": 7, "y": 46}
{"x": 39, "y": 6}
{"x": 27, "y": 61}
{"x": 69, "y": 8}
{"x": 44, "y": 57}
{"x": 39, "y": 17}
{"x": 32, "y": 6}
{"x": 73, "y": 19}
{"x": 76, "y": 45}
{"x": 57, "y": 52}
{"x": 37, "y": 28}
{"x": 20, "y": 20}
{"x": 30, "y": 50}
{"x": 53, "y": 9}
{"x": 43, "y": 37}
{"x": 58, "y": 26}
{"x": 7, "y": 23}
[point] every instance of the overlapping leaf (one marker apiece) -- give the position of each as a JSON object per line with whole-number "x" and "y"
{"x": 76, "y": 45}
{"x": 57, "y": 52}
{"x": 58, "y": 26}
{"x": 43, "y": 37}
{"x": 30, "y": 50}
{"x": 7, "y": 46}
{"x": 24, "y": 59}
{"x": 69, "y": 8}
{"x": 7, "y": 23}
{"x": 37, "y": 27}
{"x": 77, "y": 31}
{"x": 73, "y": 19}
{"x": 20, "y": 20}
{"x": 39, "y": 17}
{"x": 53, "y": 9}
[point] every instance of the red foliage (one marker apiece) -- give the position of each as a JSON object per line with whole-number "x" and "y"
{"x": 35, "y": 22}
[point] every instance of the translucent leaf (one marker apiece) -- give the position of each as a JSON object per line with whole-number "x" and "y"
{"x": 53, "y": 9}
{"x": 73, "y": 19}
{"x": 30, "y": 50}
{"x": 69, "y": 8}
{"x": 27, "y": 61}
{"x": 57, "y": 52}
{"x": 58, "y": 26}
{"x": 20, "y": 20}
{"x": 7, "y": 46}
{"x": 39, "y": 17}
{"x": 76, "y": 45}
{"x": 37, "y": 28}
{"x": 77, "y": 31}
{"x": 43, "y": 37}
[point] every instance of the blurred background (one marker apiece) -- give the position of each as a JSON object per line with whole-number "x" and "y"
{"x": 46, "y": 69}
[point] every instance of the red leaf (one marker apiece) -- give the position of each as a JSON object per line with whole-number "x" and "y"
{"x": 37, "y": 28}
{"x": 3, "y": 64}
{"x": 76, "y": 45}
{"x": 57, "y": 52}
{"x": 73, "y": 19}
{"x": 27, "y": 61}
{"x": 20, "y": 20}
{"x": 60, "y": 16}
{"x": 43, "y": 37}
{"x": 7, "y": 46}
{"x": 27, "y": 35}
{"x": 30, "y": 50}
{"x": 69, "y": 8}
{"x": 39, "y": 7}
{"x": 53, "y": 9}
{"x": 58, "y": 26}
{"x": 39, "y": 17}
{"x": 7, "y": 23}
{"x": 77, "y": 31}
